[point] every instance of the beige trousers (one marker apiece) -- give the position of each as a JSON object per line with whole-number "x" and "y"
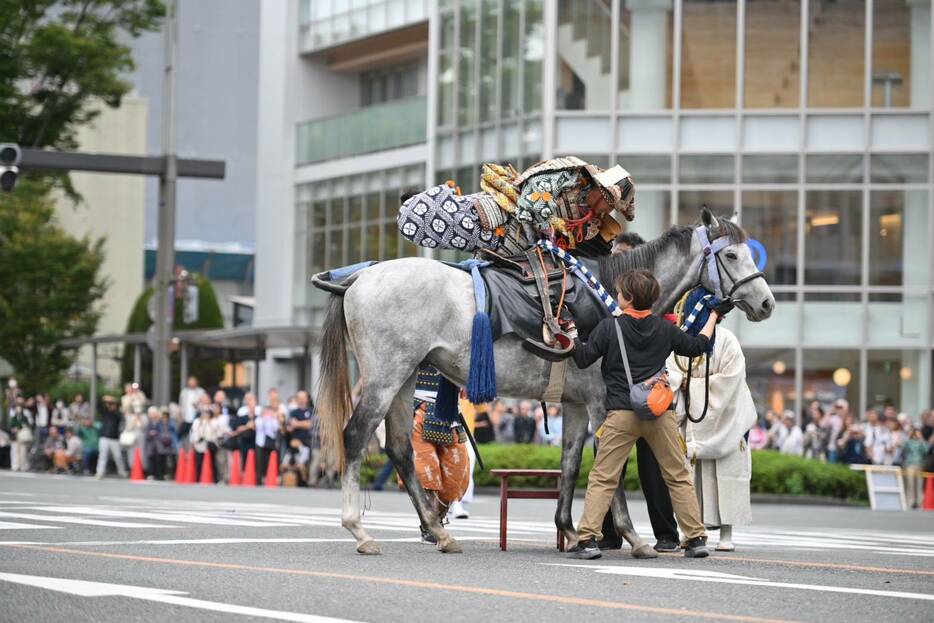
{"x": 617, "y": 436}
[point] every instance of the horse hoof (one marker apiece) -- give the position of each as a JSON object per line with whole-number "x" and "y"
{"x": 369, "y": 548}
{"x": 451, "y": 547}
{"x": 644, "y": 551}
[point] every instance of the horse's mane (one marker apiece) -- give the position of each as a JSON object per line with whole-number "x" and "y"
{"x": 643, "y": 256}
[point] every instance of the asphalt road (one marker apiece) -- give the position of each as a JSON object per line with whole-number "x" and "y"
{"x": 75, "y": 549}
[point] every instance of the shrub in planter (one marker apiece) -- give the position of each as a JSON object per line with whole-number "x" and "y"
{"x": 772, "y": 472}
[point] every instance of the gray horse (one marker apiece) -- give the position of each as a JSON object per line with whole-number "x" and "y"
{"x": 404, "y": 313}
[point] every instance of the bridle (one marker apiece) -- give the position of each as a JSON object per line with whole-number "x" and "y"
{"x": 715, "y": 265}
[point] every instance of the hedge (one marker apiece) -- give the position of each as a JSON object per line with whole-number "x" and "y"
{"x": 772, "y": 473}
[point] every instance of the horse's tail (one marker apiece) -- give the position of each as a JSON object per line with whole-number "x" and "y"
{"x": 334, "y": 403}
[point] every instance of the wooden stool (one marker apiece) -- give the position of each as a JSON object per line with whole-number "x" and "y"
{"x": 524, "y": 494}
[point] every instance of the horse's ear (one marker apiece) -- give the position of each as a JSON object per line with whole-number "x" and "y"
{"x": 708, "y": 219}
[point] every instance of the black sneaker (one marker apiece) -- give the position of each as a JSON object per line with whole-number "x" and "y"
{"x": 586, "y": 550}
{"x": 428, "y": 537}
{"x": 608, "y": 544}
{"x": 666, "y": 546}
{"x": 696, "y": 548}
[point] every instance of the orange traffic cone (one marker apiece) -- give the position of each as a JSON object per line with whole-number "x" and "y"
{"x": 181, "y": 467}
{"x": 272, "y": 470}
{"x": 928, "y": 503}
{"x": 190, "y": 467}
{"x": 207, "y": 469}
{"x": 136, "y": 472}
{"x": 234, "y": 463}
{"x": 249, "y": 472}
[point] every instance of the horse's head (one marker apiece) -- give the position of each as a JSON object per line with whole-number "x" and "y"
{"x": 728, "y": 268}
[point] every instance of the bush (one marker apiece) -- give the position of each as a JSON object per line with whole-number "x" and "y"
{"x": 772, "y": 472}
{"x": 791, "y": 475}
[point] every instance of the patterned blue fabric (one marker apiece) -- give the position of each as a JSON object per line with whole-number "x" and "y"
{"x": 440, "y": 218}
{"x": 697, "y": 308}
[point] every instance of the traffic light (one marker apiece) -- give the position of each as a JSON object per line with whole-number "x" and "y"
{"x": 9, "y": 171}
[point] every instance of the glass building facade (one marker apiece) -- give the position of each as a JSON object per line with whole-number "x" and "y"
{"x": 809, "y": 122}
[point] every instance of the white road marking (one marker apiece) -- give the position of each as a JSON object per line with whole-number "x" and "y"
{"x": 235, "y": 540}
{"x": 316, "y": 519}
{"x": 169, "y": 516}
{"x": 698, "y": 575}
{"x": 83, "y": 521}
{"x": 84, "y": 588}
{"x": 12, "y": 525}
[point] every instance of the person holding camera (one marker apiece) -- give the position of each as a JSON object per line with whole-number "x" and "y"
{"x": 633, "y": 348}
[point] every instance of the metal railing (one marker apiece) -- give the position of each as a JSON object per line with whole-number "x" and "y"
{"x": 325, "y": 23}
{"x": 374, "y": 128}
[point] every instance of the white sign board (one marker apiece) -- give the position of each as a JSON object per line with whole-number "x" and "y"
{"x": 885, "y": 486}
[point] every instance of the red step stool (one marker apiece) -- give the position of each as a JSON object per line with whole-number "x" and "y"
{"x": 505, "y": 493}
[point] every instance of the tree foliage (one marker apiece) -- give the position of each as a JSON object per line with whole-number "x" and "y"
{"x": 57, "y": 57}
{"x": 210, "y": 371}
{"x": 49, "y": 284}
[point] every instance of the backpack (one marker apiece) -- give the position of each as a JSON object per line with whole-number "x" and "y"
{"x": 650, "y": 398}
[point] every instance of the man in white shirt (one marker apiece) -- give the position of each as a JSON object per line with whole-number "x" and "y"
{"x": 793, "y": 441}
{"x": 188, "y": 400}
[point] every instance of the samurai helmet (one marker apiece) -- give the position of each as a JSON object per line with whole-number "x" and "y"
{"x": 618, "y": 187}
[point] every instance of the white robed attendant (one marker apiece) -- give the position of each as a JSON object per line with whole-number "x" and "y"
{"x": 716, "y": 445}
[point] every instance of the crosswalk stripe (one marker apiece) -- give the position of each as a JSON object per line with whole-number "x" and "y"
{"x": 83, "y": 521}
{"x": 170, "y": 516}
{"x": 12, "y": 525}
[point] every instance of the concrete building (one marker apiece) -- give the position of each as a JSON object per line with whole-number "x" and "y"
{"x": 216, "y": 104}
{"x": 112, "y": 208}
{"x": 810, "y": 122}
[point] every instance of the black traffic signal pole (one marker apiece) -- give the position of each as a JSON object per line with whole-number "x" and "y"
{"x": 43, "y": 160}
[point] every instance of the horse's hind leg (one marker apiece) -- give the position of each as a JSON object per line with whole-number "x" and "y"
{"x": 373, "y": 405}
{"x": 623, "y": 522}
{"x": 399, "y": 449}
{"x": 573, "y": 436}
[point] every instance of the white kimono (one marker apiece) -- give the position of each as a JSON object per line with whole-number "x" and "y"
{"x": 723, "y": 464}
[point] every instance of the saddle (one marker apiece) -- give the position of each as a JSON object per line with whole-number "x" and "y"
{"x": 532, "y": 296}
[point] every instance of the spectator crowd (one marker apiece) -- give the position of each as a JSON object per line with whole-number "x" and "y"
{"x": 42, "y": 435}
{"x": 835, "y": 435}
{"x": 75, "y": 438}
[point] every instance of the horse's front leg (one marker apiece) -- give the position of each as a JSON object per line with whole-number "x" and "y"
{"x": 573, "y": 435}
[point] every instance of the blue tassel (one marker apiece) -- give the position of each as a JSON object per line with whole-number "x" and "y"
{"x": 481, "y": 381}
{"x": 446, "y": 402}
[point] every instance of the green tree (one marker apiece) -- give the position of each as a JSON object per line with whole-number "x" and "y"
{"x": 210, "y": 371}
{"x": 49, "y": 284}
{"x": 58, "y": 57}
